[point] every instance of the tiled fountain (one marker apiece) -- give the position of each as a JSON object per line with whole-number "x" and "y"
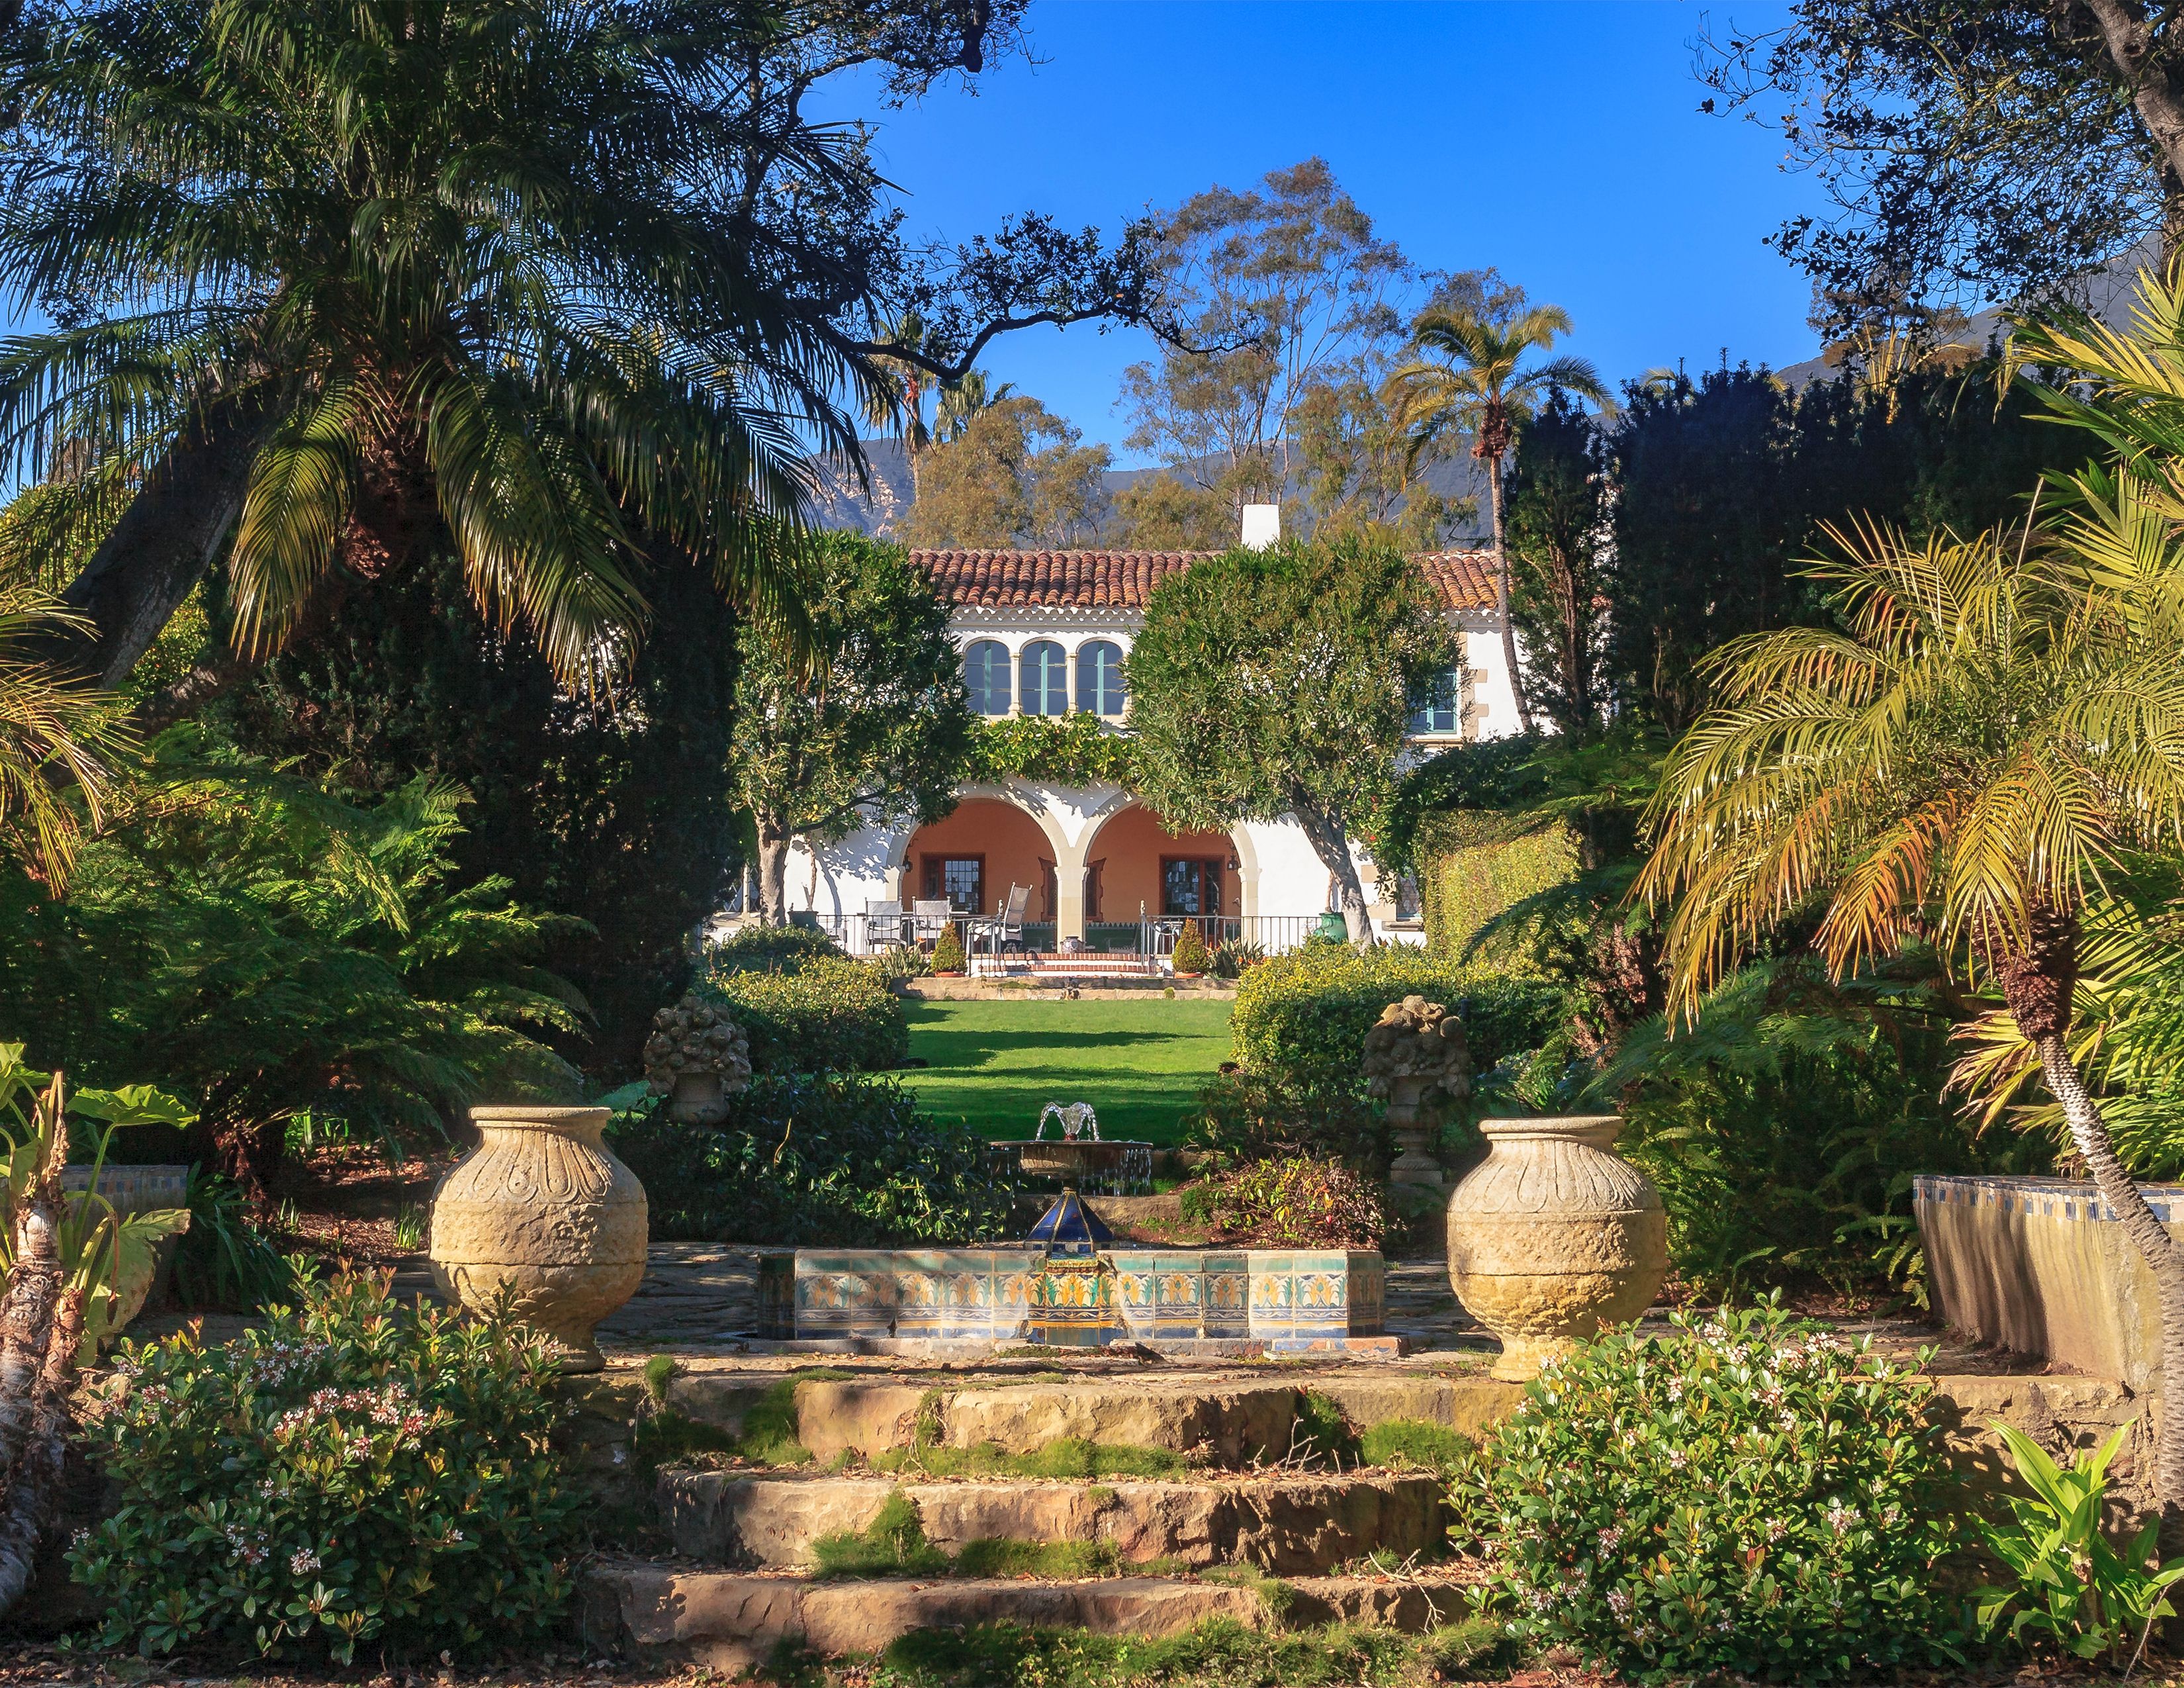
{"x": 1070, "y": 1284}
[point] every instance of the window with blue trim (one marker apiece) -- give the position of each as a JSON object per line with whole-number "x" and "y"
{"x": 1440, "y": 707}
{"x": 1042, "y": 679}
{"x": 986, "y": 673}
{"x": 1100, "y": 689}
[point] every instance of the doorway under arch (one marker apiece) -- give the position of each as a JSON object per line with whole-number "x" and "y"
{"x": 973, "y": 854}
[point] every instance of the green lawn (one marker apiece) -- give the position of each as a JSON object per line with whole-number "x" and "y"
{"x": 997, "y": 1063}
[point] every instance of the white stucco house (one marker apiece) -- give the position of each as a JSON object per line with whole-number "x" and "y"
{"x": 1045, "y": 632}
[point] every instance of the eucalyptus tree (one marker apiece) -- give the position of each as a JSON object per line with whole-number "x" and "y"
{"x": 578, "y": 282}
{"x": 1474, "y": 374}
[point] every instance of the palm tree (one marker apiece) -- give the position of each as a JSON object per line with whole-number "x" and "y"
{"x": 1469, "y": 377}
{"x": 57, "y": 735}
{"x": 960, "y": 402}
{"x": 1995, "y": 721}
{"x": 331, "y": 275}
{"x": 896, "y": 401}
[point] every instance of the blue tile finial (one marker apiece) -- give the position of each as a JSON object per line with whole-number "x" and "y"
{"x": 1069, "y": 1227}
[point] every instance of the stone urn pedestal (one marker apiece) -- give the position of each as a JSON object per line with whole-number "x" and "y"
{"x": 1553, "y": 1236}
{"x": 543, "y": 1206}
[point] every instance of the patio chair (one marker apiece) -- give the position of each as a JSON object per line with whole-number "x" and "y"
{"x": 930, "y": 916}
{"x": 1005, "y": 929}
{"x": 883, "y": 925}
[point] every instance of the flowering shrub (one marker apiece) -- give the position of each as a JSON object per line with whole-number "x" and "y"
{"x": 349, "y": 1472}
{"x": 1749, "y": 1496}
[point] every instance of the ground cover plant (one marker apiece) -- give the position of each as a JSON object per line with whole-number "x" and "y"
{"x": 831, "y": 1157}
{"x": 1066, "y": 1457}
{"x": 1292, "y": 1202}
{"x": 995, "y": 1064}
{"x": 1749, "y": 1495}
{"x": 349, "y": 1474}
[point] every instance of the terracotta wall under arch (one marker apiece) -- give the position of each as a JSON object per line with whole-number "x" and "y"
{"x": 1016, "y": 849}
{"x": 1125, "y": 853}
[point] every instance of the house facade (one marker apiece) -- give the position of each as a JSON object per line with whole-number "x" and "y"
{"x": 1047, "y": 633}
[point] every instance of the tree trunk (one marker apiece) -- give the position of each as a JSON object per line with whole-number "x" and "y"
{"x": 1501, "y": 594}
{"x": 773, "y": 877}
{"x": 34, "y": 1293}
{"x": 34, "y": 1495}
{"x": 2132, "y": 40}
{"x": 1325, "y": 834}
{"x": 162, "y": 544}
{"x": 2089, "y": 1136}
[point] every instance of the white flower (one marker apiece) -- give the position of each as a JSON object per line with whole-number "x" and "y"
{"x": 1609, "y": 1538}
{"x": 1619, "y": 1602}
{"x": 302, "y": 1563}
{"x": 1676, "y": 1460}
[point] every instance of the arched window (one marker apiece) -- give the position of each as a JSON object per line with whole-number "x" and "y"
{"x": 1099, "y": 678}
{"x": 1440, "y": 707}
{"x": 1043, "y": 681}
{"x": 986, "y": 672}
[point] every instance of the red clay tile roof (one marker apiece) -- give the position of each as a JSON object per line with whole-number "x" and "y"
{"x": 1084, "y": 580}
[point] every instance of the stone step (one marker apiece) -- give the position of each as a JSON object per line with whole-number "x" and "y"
{"x": 1286, "y": 1523}
{"x": 1228, "y": 1421}
{"x": 729, "y": 1620}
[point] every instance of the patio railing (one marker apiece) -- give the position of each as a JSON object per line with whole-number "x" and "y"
{"x": 1154, "y": 935}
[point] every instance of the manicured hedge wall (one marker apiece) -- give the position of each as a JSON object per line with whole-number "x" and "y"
{"x": 1302, "y": 1017}
{"x": 1476, "y": 867}
{"x": 831, "y": 1014}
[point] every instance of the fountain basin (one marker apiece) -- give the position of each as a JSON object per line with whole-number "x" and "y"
{"x": 1239, "y": 1300}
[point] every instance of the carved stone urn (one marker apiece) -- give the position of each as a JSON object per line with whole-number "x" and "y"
{"x": 1552, "y": 1236}
{"x": 1416, "y": 1059}
{"x": 541, "y": 1206}
{"x": 696, "y": 1057}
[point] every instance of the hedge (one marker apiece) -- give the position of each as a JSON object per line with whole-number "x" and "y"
{"x": 1301, "y": 1019}
{"x": 830, "y": 1014}
{"x": 1475, "y": 864}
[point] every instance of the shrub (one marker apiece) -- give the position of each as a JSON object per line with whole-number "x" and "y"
{"x": 772, "y": 950}
{"x": 1294, "y": 1203}
{"x": 826, "y": 1159}
{"x": 1190, "y": 955}
{"x": 1244, "y": 1115}
{"x": 1232, "y": 957}
{"x": 349, "y": 1472}
{"x": 1301, "y": 1017}
{"x": 829, "y": 1014}
{"x": 948, "y": 950}
{"x": 1748, "y": 1496}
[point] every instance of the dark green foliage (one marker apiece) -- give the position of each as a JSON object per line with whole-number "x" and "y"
{"x": 350, "y": 1475}
{"x": 225, "y": 1259}
{"x": 1748, "y": 1497}
{"x": 1323, "y": 1431}
{"x": 1301, "y": 1019}
{"x": 1721, "y": 485}
{"x": 265, "y": 951}
{"x": 618, "y": 816}
{"x": 832, "y": 1159}
{"x": 1785, "y": 1128}
{"x": 1558, "y": 499}
{"x": 824, "y": 1015}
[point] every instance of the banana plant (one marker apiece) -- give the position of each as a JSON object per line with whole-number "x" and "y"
{"x": 2075, "y": 1590}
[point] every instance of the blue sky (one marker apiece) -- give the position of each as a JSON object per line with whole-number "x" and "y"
{"x": 1559, "y": 143}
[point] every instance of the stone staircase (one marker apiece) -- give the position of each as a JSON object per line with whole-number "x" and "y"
{"x": 1251, "y": 1521}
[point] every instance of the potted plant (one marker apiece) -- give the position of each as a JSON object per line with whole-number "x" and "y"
{"x": 947, "y": 954}
{"x": 1189, "y": 958}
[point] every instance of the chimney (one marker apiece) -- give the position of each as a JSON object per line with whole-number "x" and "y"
{"x": 1262, "y": 526}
